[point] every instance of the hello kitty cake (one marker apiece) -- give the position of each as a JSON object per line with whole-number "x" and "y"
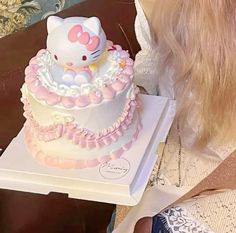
{"x": 80, "y": 103}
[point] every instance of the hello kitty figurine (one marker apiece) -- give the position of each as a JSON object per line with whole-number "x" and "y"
{"x": 74, "y": 44}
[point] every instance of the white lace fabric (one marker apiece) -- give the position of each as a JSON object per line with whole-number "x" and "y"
{"x": 194, "y": 166}
{"x": 215, "y": 213}
{"x": 177, "y": 220}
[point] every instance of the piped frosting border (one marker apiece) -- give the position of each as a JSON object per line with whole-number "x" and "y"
{"x": 80, "y": 136}
{"x": 63, "y": 163}
{"x": 106, "y": 92}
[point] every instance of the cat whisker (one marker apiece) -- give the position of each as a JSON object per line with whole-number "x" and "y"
{"x": 96, "y": 56}
{"x": 95, "y": 52}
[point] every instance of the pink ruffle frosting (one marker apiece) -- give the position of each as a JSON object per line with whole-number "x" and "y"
{"x": 80, "y": 136}
{"x": 63, "y": 163}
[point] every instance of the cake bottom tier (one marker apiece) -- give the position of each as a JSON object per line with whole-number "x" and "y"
{"x": 62, "y": 153}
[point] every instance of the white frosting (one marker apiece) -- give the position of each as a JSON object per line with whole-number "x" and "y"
{"x": 94, "y": 117}
{"x": 78, "y": 67}
{"x": 51, "y": 75}
{"x": 65, "y": 149}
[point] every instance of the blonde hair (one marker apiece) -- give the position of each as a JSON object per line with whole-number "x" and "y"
{"x": 197, "y": 38}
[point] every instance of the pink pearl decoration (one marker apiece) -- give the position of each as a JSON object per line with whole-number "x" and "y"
{"x": 95, "y": 97}
{"x": 53, "y": 98}
{"x": 108, "y": 93}
{"x": 33, "y": 86}
{"x": 34, "y": 67}
{"x": 30, "y": 78}
{"x": 41, "y": 93}
{"x": 68, "y": 101}
{"x": 82, "y": 101}
{"x": 118, "y": 85}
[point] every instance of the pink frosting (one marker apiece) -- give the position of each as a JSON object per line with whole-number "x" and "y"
{"x": 42, "y": 93}
{"x": 30, "y": 78}
{"x": 34, "y": 86}
{"x": 68, "y": 101}
{"x": 95, "y": 97}
{"x": 118, "y": 85}
{"x": 80, "y": 136}
{"x": 76, "y": 33}
{"x": 53, "y": 98}
{"x": 108, "y": 92}
{"x": 63, "y": 163}
{"x": 123, "y": 79}
{"x": 82, "y": 101}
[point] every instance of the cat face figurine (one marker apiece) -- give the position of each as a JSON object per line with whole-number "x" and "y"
{"x": 75, "y": 42}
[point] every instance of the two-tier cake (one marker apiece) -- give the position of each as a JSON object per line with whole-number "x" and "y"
{"x": 79, "y": 99}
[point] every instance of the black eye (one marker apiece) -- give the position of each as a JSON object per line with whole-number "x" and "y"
{"x": 84, "y": 58}
{"x": 55, "y": 56}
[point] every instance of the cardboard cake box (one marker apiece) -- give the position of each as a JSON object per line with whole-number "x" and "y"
{"x": 120, "y": 181}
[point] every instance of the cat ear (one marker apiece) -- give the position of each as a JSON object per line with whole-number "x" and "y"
{"x": 53, "y": 22}
{"x": 93, "y": 24}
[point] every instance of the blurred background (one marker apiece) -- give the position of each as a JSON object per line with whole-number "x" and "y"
{"x": 17, "y": 14}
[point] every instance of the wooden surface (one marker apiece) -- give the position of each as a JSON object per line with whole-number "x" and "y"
{"x": 32, "y": 213}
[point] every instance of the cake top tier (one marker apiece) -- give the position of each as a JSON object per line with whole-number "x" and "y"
{"x": 80, "y": 66}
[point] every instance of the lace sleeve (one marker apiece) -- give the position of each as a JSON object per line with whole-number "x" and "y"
{"x": 146, "y": 60}
{"x": 146, "y": 73}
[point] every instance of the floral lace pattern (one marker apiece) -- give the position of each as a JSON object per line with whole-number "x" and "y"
{"x": 194, "y": 166}
{"x": 176, "y": 220}
{"x": 216, "y": 211}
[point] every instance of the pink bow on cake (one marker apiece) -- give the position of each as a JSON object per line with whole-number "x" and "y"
{"x": 76, "y": 34}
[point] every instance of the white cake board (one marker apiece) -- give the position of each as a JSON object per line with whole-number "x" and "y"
{"x": 120, "y": 181}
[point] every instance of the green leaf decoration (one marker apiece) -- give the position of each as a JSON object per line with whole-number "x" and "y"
{"x": 25, "y": 1}
{"x": 30, "y": 7}
{"x": 59, "y": 5}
